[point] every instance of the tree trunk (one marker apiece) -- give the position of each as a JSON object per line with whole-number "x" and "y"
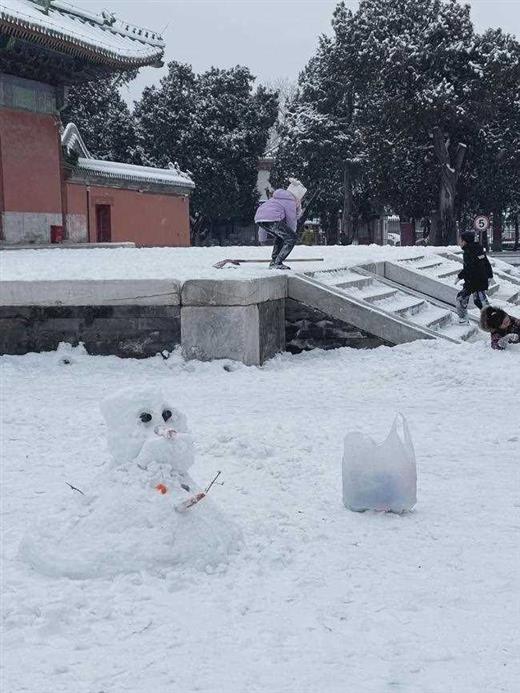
{"x": 497, "y": 230}
{"x": 330, "y": 226}
{"x": 347, "y": 230}
{"x": 444, "y": 232}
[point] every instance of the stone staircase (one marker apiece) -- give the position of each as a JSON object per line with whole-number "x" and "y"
{"x": 402, "y": 300}
{"x": 444, "y": 268}
{"x": 430, "y": 315}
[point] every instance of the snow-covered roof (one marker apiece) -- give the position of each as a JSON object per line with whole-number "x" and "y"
{"x": 86, "y": 165}
{"x": 73, "y": 141}
{"x": 63, "y": 27}
{"x": 113, "y": 170}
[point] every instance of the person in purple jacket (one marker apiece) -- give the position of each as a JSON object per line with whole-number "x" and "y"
{"x": 278, "y": 217}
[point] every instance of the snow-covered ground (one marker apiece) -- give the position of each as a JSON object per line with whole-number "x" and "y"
{"x": 179, "y": 263}
{"x": 319, "y": 598}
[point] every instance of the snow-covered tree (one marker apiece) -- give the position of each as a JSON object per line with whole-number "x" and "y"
{"x": 103, "y": 118}
{"x": 214, "y": 125}
{"x": 394, "y": 111}
{"x": 412, "y": 56}
{"x": 494, "y": 161}
{"x": 320, "y": 139}
{"x": 164, "y": 117}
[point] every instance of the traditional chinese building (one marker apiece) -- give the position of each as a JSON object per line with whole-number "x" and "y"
{"x": 51, "y": 188}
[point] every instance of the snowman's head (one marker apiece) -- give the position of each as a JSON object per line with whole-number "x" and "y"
{"x": 143, "y": 426}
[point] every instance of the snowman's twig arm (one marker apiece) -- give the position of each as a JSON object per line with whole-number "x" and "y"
{"x": 216, "y": 477}
{"x": 74, "y": 488}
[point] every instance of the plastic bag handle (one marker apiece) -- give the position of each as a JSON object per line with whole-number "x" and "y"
{"x": 407, "y": 438}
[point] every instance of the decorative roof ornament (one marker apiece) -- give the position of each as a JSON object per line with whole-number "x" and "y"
{"x": 45, "y": 4}
{"x": 109, "y": 17}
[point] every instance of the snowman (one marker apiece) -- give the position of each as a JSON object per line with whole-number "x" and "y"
{"x": 144, "y": 512}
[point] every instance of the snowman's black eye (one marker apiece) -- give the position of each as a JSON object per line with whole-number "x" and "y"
{"x": 166, "y": 414}
{"x": 145, "y": 417}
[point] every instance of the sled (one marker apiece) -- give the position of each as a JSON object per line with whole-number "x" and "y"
{"x": 233, "y": 261}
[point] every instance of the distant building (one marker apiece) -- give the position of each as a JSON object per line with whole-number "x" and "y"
{"x": 51, "y": 189}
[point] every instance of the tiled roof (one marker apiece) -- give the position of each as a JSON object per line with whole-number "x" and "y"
{"x": 65, "y": 28}
{"x": 89, "y": 168}
{"x": 145, "y": 174}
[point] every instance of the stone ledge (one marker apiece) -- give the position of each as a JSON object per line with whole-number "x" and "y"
{"x": 233, "y": 292}
{"x": 83, "y": 292}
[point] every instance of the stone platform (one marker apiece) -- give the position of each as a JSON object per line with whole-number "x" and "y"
{"x": 248, "y": 319}
{"x": 237, "y": 319}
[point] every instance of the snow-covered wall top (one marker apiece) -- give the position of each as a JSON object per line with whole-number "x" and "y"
{"x": 76, "y": 31}
{"x": 110, "y": 169}
{"x": 72, "y": 141}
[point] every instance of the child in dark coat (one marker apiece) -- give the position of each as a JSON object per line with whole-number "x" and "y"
{"x": 476, "y": 274}
{"x": 504, "y": 328}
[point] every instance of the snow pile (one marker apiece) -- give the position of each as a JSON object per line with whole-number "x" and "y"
{"x": 380, "y": 477}
{"x": 126, "y": 520}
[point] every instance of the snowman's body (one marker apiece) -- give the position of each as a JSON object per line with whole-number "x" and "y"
{"x": 126, "y": 521}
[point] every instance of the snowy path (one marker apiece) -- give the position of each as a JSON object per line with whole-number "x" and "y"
{"x": 320, "y": 599}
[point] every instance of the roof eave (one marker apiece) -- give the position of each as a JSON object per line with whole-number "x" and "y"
{"x": 63, "y": 44}
{"x": 89, "y": 177}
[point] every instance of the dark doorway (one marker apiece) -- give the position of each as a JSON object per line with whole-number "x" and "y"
{"x": 103, "y": 225}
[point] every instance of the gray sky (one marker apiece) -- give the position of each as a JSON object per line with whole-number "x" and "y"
{"x": 274, "y": 38}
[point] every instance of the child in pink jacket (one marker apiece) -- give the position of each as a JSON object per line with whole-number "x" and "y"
{"x": 278, "y": 217}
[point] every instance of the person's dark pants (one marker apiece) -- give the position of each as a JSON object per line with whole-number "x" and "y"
{"x": 479, "y": 299}
{"x": 284, "y": 240}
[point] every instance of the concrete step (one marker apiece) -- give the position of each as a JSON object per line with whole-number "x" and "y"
{"x": 356, "y": 283}
{"x": 446, "y": 274}
{"x": 377, "y": 293}
{"x": 432, "y": 317}
{"x": 462, "y": 332}
{"x": 418, "y": 258}
{"x": 429, "y": 265}
{"x": 404, "y": 305}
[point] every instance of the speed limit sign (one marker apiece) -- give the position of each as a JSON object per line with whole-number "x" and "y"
{"x": 481, "y": 223}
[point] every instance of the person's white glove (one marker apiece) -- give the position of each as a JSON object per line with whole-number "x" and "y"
{"x": 507, "y": 339}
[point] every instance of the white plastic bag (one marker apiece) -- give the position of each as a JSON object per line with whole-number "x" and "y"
{"x": 380, "y": 476}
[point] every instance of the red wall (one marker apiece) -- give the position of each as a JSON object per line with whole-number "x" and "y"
{"x": 145, "y": 218}
{"x": 30, "y": 162}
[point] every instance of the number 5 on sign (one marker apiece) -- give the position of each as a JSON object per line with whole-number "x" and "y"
{"x": 481, "y": 223}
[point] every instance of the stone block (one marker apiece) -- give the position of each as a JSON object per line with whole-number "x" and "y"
{"x": 85, "y": 292}
{"x": 242, "y": 333}
{"x": 233, "y": 292}
{"x": 28, "y": 227}
{"x": 272, "y": 328}
{"x": 77, "y": 231}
